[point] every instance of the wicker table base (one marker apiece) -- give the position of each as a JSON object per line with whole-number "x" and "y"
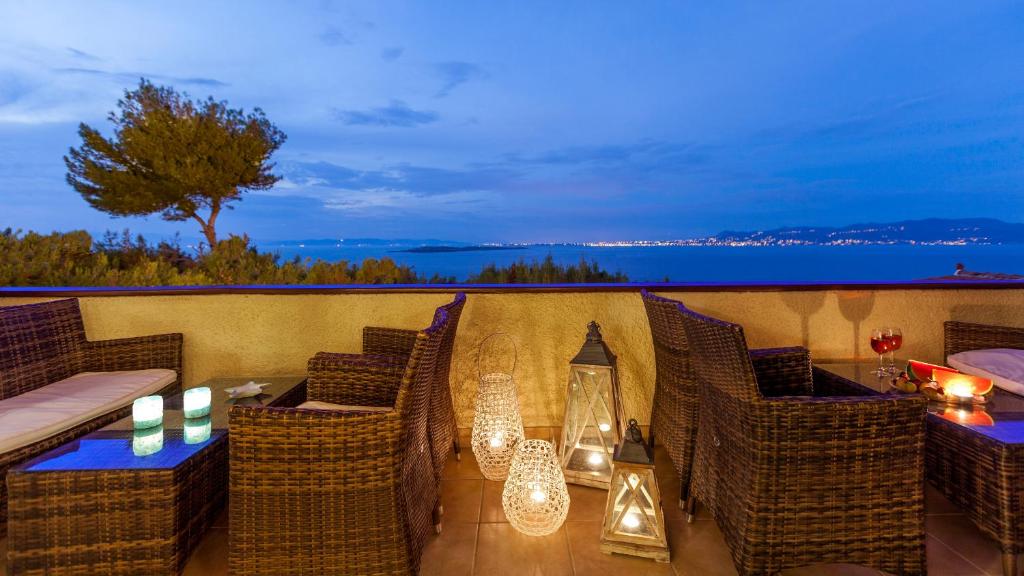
{"x": 93, "y": 507}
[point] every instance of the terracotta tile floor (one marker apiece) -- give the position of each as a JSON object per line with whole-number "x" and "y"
{"x": 476, "y": 539}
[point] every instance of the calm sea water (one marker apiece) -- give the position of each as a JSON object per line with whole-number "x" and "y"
{"x": 709, "y": 264}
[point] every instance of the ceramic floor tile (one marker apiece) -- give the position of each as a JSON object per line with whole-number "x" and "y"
{"x": 490, "y": 508}
{"x": 461, "y": 500}
{"x": 587, "y": 558}
{"x": 452, "y": 552}
{"x": 586, "y": 504}
{"x": 503, "y": 551}
{"x": 698, "y": 549}
{"x": 465, "y": 468}
{"x": 210, "y": 558}
{"x": 959, "y": 534}
{"x": 943, "y": 561}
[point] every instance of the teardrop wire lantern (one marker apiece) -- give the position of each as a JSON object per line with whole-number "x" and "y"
{"x": 497, "y": 424}
{"x": 535, "y": 498}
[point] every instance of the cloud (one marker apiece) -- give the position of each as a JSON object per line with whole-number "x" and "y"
{"x": 395, "y": 115}
{"x": 124, "y": 77}
{"x": 388, "y": 201}
{"x": 392, "y": 54}
{"x": 454, "y": 74}
{"x": 334, "y": 37}
{"x": 83, "y": 55}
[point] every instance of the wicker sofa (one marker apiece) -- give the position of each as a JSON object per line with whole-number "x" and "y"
{"x": 56, "y": 385}
{"x": 795, "y": 479}
{"x": 344, "y": 483}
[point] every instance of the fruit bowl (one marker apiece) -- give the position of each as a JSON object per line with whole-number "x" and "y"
{"x": 935, "y": 388}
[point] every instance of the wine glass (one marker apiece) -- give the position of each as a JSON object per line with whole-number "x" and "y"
{"x": 895, "y": 339}
{"x": 880, "y": 344}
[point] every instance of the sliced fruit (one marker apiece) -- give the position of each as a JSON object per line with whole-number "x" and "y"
{"x": 923, "y": 370}
{"x": 963, "y": 384}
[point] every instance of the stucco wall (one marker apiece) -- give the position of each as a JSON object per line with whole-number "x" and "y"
{"x": 243, "y": 334}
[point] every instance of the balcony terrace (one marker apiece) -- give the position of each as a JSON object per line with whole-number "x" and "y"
{"x": 265, "y": 331}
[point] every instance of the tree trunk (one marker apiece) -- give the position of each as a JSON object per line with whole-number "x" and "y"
{"x": 209, "y": 226}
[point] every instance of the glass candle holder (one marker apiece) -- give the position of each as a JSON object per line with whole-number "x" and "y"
{"x": 147, "y": 412}
{"x": 148, "y": 441}
{"x": 197, "y": 402}
{"x": 197, "y": 430}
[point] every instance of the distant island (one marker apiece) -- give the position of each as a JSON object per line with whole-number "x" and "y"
{"x": 477, "y": 248}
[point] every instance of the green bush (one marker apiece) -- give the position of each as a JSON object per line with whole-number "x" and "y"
{"x": 75, "y": 259}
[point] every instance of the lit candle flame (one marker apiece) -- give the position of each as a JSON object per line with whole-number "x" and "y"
{"x": 496, "y": 441}
{"x": 604, "y": 427}
{"x": 631, "y": 520}
{"x": 960, "y": 389}
{"x": 595, "y": 458}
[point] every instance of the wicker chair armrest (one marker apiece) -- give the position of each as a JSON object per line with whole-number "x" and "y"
{"x": 390, "y": 341}
{"x": 354, "y": 379}
{"x": 965, "y": 336}
{"x": 783, "y": 371}
{"x": 140, "y": 353}
{"x": 815, "y": 422}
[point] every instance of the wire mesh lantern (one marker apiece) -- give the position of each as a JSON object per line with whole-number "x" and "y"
{"x": 497, "y": 424}
{"x": 633, "y": 520}
{"x": 535, "y": 498}
{"x": 593, "y": 414}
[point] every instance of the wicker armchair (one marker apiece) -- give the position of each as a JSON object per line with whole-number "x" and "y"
{"x": 43, "y": 343}
{"x": 780, "y": 371}
{"x": 799, "y": 480}
{"x": 338, "y": 491}
{"x": 674, "y": 411}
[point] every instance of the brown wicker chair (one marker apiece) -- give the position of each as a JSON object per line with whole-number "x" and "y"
{"x": 43, "y": 343}
{"x": 794, "y": 481}
{"x": 983, "y": 477}
{"x": 675, "y": 407}
{"x": 338, "y": 491}
{"x": 674, "y": 411}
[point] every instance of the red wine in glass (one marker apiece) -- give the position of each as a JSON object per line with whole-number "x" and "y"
{"x": 895, "y": 338}
{"x": 880, "y": 344}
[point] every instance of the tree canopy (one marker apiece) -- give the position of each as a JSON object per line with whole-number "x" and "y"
{"x": 171, "y": 155}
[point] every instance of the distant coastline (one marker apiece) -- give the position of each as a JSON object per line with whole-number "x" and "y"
{"x": 442, "y": 249}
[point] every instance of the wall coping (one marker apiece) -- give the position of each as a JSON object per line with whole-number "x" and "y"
{"x": 297, "y": 289}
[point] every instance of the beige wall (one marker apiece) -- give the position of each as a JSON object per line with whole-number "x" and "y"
{"x": 243, "y": 334}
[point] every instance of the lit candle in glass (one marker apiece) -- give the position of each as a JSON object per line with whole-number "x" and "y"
{"x": 496, "y": 440}
{"x": 595, "y": 458}
{"x": 197, "y": 402}
{"x": 147, "y": 412}
{"x": 631, "y": 521}
{"x": 197, "y": 430}
{"x": 148, "y": 442}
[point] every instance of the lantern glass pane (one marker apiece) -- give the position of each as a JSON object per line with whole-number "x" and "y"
{"x": 591, "y": 430}
{"x": 634, "y": 512}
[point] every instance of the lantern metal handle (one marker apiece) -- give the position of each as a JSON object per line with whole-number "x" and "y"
{"x": 480, "y": 349}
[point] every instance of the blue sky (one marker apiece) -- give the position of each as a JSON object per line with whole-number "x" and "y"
{"x": 544, "y": 121}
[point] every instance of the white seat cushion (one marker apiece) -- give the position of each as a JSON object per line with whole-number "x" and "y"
{"x": 1003, "y": 366}
{"x": 316, "y": 405}
{"x": 33, "y": 416}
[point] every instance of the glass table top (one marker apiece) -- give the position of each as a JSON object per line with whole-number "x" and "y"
{"x": 1001, "y": 418}
{"x": 118, "y": 446}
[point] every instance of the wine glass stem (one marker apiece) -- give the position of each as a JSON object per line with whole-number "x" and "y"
{"x": 892, "y": 361}
{"x": 881, "y": 363}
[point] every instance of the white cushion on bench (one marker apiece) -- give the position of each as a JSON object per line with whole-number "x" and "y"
{"x": 1003, "y": 366}
{"x": 33, "y": 416}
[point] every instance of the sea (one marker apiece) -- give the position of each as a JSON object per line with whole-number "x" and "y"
{"x": 869, "y": 263}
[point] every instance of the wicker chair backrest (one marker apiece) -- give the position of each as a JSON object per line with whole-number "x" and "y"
{"x": 419, "y": 484}
{"x": 720, "y": 355}
{"x": 39, "y": 344}
{"x": 671, "y": 352}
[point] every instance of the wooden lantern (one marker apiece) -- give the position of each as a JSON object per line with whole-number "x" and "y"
{"x": 593, "y": 414}
{"x": 633, "y": 520}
